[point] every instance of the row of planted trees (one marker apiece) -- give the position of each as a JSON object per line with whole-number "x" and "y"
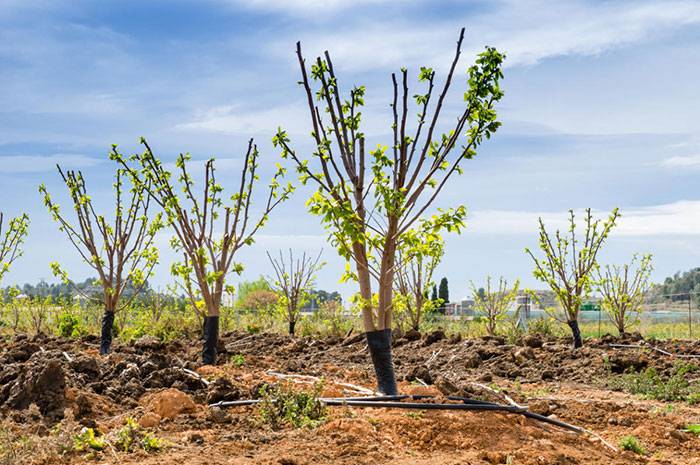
{"x": 373, "y": 201}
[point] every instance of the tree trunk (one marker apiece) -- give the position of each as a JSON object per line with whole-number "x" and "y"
{"x": 379, "y": 344}
{"x": 211, "y": 340}
{"x": 576, "y": 332}
{"x": 106, "y": 335}
{"x": 292, "y": 325}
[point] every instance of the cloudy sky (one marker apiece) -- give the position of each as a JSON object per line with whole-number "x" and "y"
{"x": 601, "y": 110}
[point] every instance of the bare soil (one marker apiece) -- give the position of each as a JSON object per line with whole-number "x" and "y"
{"x": 48, "y": 384}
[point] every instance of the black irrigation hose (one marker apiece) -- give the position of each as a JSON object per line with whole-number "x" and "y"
{"x": 394, "y": 402}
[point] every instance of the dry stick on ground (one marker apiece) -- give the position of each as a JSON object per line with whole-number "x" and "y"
{"x": 568, "y": 265}
{"x": 11, "y": 241}
{"x": 623, "y": 289}
{"x": 122, "y": 252}
{"x": 368, "y": 202}
{"x": 207, "y": 238}
{"x": 293, "y": 280}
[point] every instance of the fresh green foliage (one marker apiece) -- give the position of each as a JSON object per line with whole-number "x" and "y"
{"x": 624, "y": 289}
{"x": 417, "y": 257}
{"x": 121, "y": 251}
{"x": 132, "y": 436}
{"x": 238, "y": 360}
{"x": 208, "y": 230}
{"x": 11, "y": 241}
{"x": 693, "y": 428}
{"x": 282, "y": 406}
{"x": 88, "y": 440}
{"x": 493, "y": 303}
{"x": 68, "y": 325}
{"x": 568, "y": 265}
{"x": 368, "y": 199}
{"x": 632, "y": 444}
{"x": 650, "y": 384}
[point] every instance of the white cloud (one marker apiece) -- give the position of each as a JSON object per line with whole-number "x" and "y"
{"x": 38, "y": 163}
{"x": 685, "y": 161}
{"x": 678, "y": 218}
{"x": 234, "y": 119}
{"x": 527, "y": 32}
{"x": 305, "y": 7}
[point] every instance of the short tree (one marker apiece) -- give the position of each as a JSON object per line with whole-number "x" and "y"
{"x": 120, "y": 250}
{"x": 417, "y": 259}
{"x": 293, "y": 280}
{"x": 12, "y": 239}
{"x": 368, "y": 201}
{"x": 208, "y": 231}
{"x": 569, "y": 263}
{"x": 623, "y": 289}
{"x": 494, "y": 302}
{"x": 444, "y": 293}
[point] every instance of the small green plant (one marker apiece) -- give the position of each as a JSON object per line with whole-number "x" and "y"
{"x": 132, "y": 436}
{"x": 87, "y": 440}
{"x": 282, "y": 406}
{"x": 68, "y": 325}
{"x": 650, "y": 384}
{"x": 238, "y": 360}
{"x": 417, "y": 415}
{"x": 695, "y": 429}
{"x": 632, "y": 444}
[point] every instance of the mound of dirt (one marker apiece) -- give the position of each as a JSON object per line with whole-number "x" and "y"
{"x": 169, "y": 403}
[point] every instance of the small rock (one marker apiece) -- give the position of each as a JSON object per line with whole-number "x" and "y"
{"x": 149, "y": 420}
{"x": 532, "y": 340}
{"x": 486, "y": 377}
{"x": 218, "y": 415}
{"x": 540, "y": 407}
{"x": 547, "y": 375}
{"x": 148, "y": 343}
{"x": 171, "y": 403}
{"x": 420, "y": 373}
{"x": 525, "y": 353}
{"x": 434, "y": 337}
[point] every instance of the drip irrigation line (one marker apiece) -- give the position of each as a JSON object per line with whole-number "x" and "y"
{"x": 395, "y": 402}
{"x": 657, "y": 349}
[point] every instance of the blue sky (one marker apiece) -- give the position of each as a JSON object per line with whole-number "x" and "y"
{"x": 601, "y": 110}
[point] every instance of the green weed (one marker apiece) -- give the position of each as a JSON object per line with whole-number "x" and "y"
{"x": 633, "y": 444}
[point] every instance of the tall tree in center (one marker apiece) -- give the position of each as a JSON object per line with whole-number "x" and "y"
{"x": 369, "y": 198}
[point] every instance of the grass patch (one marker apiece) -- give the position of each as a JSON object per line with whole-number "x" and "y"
{"x": 632, "y": 444}
{"x": 651, "y": 385}
{"x": 282, "y": 406}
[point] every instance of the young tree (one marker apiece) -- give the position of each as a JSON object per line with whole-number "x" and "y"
{"x": 121, "y": 252}
{"x": 208, "y": 231}
{"x": 11, "y": 241}
{"x": 293, "y": 281}
{"x": 368, "y": 201}
{"x": 494, "y": 302}
{"x": 417, "y": 259}
{"x": 568, "y": 265}
{"x": 623, "y": 289}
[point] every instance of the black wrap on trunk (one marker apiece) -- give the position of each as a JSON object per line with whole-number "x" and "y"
{"x": 204, "y": 327}
{"x": 576, "y": 332}
{"x": 292, "y": 325}
{"x": 379, "y": 343}
{"x": 106, "y": 336}
{"x": 211, "y": 340}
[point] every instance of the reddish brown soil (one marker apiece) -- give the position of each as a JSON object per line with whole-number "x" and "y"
{"x": 46, "y": 382}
